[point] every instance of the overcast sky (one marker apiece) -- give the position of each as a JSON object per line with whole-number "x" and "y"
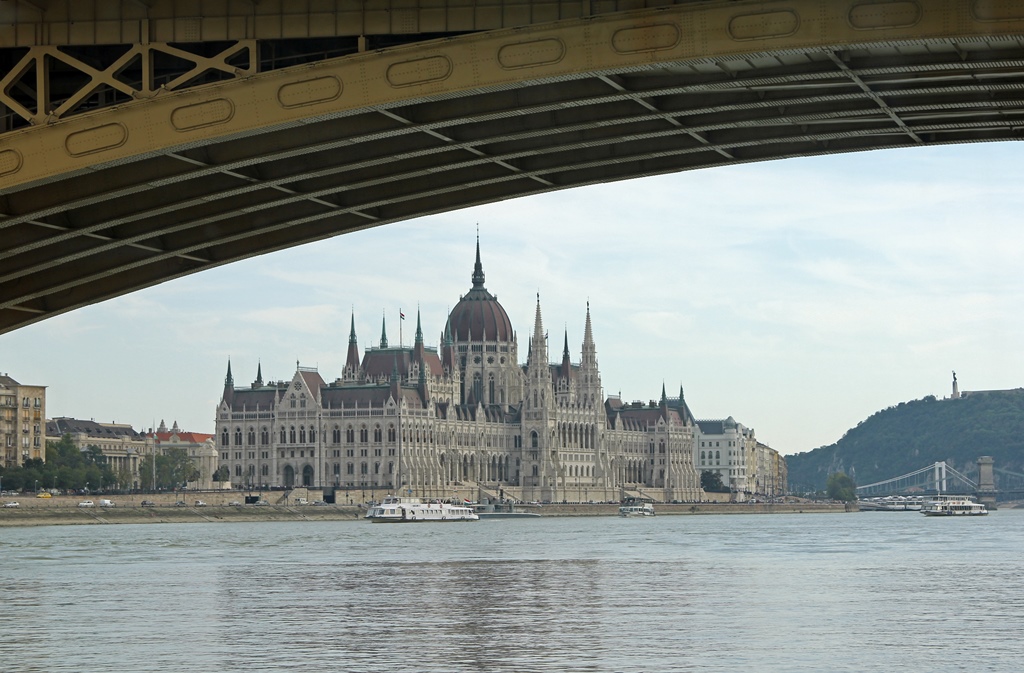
{"x": 797, "y": 296}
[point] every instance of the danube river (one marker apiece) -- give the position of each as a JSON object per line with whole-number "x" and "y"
{"x": 763, "y": 593}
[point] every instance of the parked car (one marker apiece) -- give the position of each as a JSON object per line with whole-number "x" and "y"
{"x": 200, "y": 503}
{"x": 107, "y": 503}
{"x": 86, "y": 503}
{"x": 44, "y": 494}
{"x": 148, "y": 503}
{"x": 181, "y": 503}
{"x": 11, "y": 504}
{"x": 234, "y": 503}
{"x": 261, "y": 503}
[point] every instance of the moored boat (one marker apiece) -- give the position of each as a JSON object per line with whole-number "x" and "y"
{"x": 892, "y": 503}
{"x": 637, "y": 509}
{"x": 502, "y": 510}
{"x": 953, "y": 505}
{"x": 398, "y": 509}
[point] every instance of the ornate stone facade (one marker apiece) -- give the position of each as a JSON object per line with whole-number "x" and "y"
{"x": 421, "y": 419}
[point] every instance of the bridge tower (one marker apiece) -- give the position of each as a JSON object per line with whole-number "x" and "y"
{"x": 940, "y": 477}
{"x": 986, "y": 482}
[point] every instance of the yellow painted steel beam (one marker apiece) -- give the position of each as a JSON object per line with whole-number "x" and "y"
{"x": 99, "y": 204}
{"x": 74, "y": 22}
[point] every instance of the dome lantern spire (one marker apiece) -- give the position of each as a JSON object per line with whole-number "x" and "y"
{"x": 478, "y": 268}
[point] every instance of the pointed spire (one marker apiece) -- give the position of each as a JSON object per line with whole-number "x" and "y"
{"x": 352, "y": 357}
{"x": 589, "y": 359}
{"x": 588, "y": 333}
{"x": 478, "y": 268}
{"x": 448, "y": 346}
{"x": 384, "y": 332}
{"x": 259, "y": 374}
{"x": 417, "y": 348}
{"x": 664, "y": 397}
{"x": 229, "y": 385}
{"x": 538, "y": 345}
{"x": 566, "y": 362}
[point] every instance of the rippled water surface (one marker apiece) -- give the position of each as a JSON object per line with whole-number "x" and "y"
{"x": 765, "y": 593}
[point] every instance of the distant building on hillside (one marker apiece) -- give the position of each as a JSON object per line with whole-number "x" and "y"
{"x": 22, "y": 422}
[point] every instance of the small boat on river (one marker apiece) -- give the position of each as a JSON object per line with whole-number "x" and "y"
{"x": 953, "y": 505}
{"x": 398, "y": 509}
{"x": 637, "y": 509}
{"x": 502, "y": 510}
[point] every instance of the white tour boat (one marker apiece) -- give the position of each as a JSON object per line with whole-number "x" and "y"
{"x": 398, "y": 509}
{"x": 953, "y": 505}
{"x": 637, "y": 509}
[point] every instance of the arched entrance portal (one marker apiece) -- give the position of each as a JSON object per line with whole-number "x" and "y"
{"x": 289, "y": 476}
{"x": 307, "y": 476}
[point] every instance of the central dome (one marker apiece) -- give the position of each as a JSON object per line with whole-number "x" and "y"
{"x": 478, "y": 316}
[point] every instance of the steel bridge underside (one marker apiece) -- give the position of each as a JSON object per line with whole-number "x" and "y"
{"x": 113, "y": 199}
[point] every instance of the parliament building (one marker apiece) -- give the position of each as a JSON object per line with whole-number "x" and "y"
{"x": 424, "y": 420}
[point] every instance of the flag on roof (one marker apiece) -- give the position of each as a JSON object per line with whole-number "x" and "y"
{"x": 401, "y": 315}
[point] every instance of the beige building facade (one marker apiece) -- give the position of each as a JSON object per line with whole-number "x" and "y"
{"x": 750, "y": 469}
{"x": 22, "y": 422}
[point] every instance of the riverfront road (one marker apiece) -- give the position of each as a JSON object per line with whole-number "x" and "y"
{"x": 150, "y": 143}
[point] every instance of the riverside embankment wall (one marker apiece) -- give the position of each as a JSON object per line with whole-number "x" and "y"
{"x": 65, "y": 511}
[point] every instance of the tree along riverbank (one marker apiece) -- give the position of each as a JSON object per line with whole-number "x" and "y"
{"x": 73, "y": 515}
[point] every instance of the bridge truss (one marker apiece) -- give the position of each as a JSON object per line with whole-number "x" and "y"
{"x": 196, "y": 142}
{"x": 937, "y": 477}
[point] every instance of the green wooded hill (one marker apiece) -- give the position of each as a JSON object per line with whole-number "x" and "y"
{"x": 912, "y": 435}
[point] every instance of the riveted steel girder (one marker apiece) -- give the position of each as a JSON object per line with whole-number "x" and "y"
{"x": 120, "y": 198}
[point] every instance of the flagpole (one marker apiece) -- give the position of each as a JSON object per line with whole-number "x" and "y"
{"x": 401, "y": 317}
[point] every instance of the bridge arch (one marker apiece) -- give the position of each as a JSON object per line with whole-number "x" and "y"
{"x": 120, "y": 198}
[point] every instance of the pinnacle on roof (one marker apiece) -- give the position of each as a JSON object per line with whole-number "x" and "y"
{"x": 259, "y": 374}
{"x": 538, "y": 323}
{"x": 447, "y": 330}
{"x": 478, "y": 268}
{"x": 228, "y": 380}
{"x": 419, "y": 331}
{"x": 664, "y": 397}
{"x": 352, "y": 357}
{"x": 588, "y": 332}
{"x": 566, "y": 362}
{"x": 383, "y": 332}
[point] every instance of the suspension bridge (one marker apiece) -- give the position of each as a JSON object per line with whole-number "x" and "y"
{"x": 985, "y": 481}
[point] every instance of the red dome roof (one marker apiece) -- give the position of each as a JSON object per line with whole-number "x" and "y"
{"x": 478, "y": 316}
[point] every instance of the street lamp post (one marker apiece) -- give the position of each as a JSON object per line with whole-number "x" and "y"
{"x": 35, "y": 486}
